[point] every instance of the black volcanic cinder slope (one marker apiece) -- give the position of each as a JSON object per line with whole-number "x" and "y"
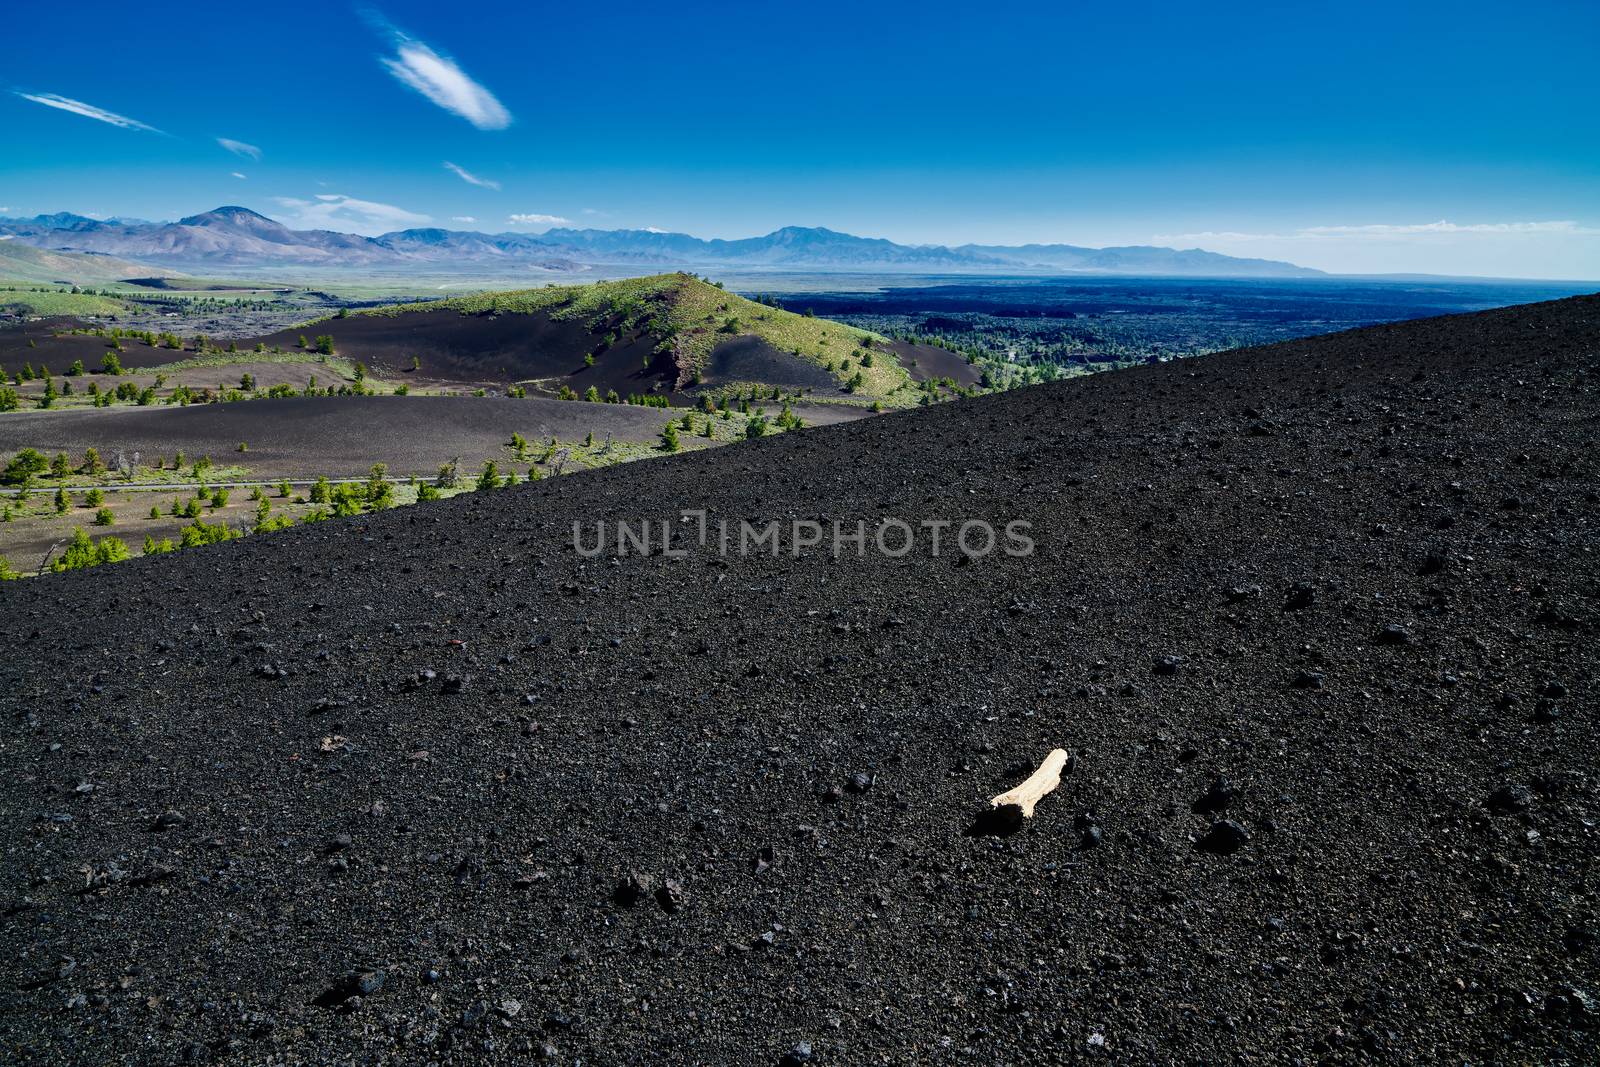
{"x": 693, "y": 810}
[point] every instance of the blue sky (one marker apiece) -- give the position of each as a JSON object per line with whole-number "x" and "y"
{"x": 1366, "y": 137}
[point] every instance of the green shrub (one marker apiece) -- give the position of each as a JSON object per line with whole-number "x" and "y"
{"x": 104, "y": 517}
{"x": 83, "y": 552}
{"x": 205, "y": 533}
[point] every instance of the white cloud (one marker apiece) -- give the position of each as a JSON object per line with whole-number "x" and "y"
{"x": 470, "y": 178}
{"x": 239, "y": 148}
{"x": 538, "y": 220}
{"x": 462, "y": 218}
{"x": 88, "y": 111}
{"x": 330, "y": 211}
{"x": 654, "y": 229}
{"x": 441, "y": 80}
{"x": 236, "y": 174}
{"x": 1389, "y": 230}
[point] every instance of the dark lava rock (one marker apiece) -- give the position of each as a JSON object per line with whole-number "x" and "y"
{"x": 1509, "y": 799}
{"x": 1307, "y": 680}
{"x": 357, "y": 984}
{"x": 169, "y": 820}
{"x": 1436, "y": 562}
{"x": 800, "y": 1054}
{"x": 1223, "y": 837}
{"x": 672, "y": 896}
{"x": 1216, "y": 799}
{"x": 632, "y": 888}
{"x": 1167, "y": 665}
{"x": 1301, "y": 595}
{"x": 1394, "y": 634}
{"x": 859, "y": 782}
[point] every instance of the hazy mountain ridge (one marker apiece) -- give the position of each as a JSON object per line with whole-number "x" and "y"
{"x": 238, "y": 236}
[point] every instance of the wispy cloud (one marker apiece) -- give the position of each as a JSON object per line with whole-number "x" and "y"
{"x": 88, "y": 111}
{"x": 236, "y": 174}
{"x": 239, "y": 148}
{"x": 470, "y": 178}
{"x": 440, "y": 79}
{"x": 1442, "y": 226}
{"x": 462, "y": 218}
{"x": 1393, "y": 231}
{"x": 538, "y": 220}
{"x": 331, "y": 211}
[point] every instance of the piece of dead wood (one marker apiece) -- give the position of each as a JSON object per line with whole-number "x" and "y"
{"x": 1006, "y": 812}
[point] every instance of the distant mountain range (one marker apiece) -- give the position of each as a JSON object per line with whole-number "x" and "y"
{"x": 239, "y": 237}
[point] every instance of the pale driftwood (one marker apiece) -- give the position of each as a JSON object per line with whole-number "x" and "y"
{"x": 1039, "y": 783}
